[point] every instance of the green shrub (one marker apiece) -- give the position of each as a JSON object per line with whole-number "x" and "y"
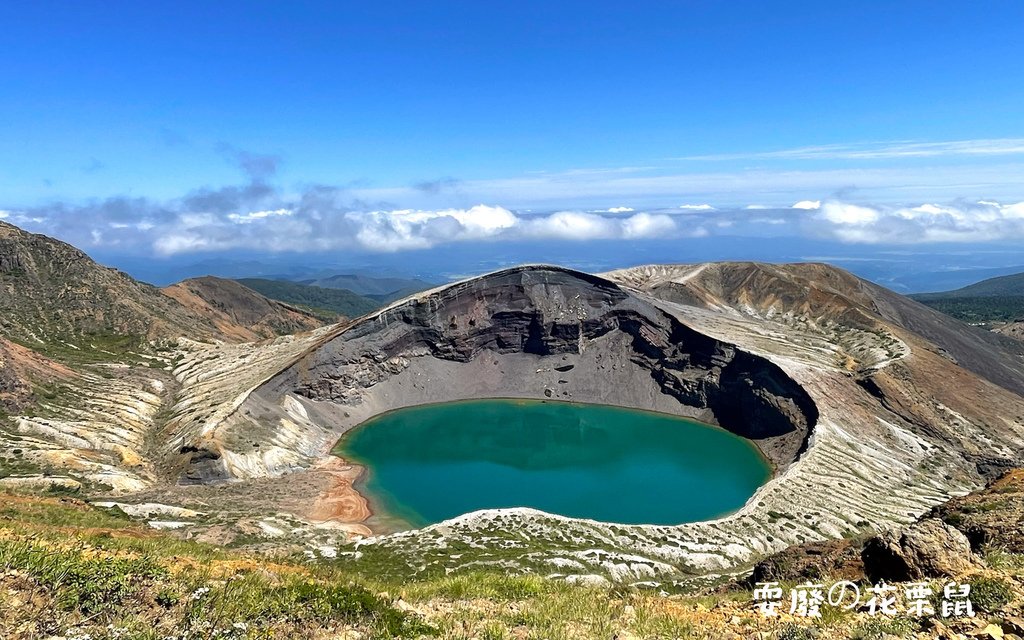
{"x": 990, "y": 594}
{"x": 79, "y": 582}
{"x": 253, "y": 599}
{"x": 878, "y": 628}
{"x": 794, "y": 631}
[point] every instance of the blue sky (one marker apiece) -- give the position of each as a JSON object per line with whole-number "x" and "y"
{"x": 189, "y": 127}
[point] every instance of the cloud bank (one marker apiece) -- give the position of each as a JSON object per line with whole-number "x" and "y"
{"x": 258, "y": 215}
{"x": 320, "y": 219}
{"x": 323, "y": 219}
{"x": 982, "y": 221}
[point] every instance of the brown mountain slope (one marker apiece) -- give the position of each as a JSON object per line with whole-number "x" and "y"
{"x": 55, "y": 296}
{"x": 938, "y": 376}
{"x": 53, "y": 293}
{"x": 825, "y": 295}
{"x": 239, "y": 312}
{"x": 20, "y": 368}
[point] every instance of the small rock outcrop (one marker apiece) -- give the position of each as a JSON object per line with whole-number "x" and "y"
{"x": 838, "y": 559}
{"x": 992, "y": 517}
{"x": 927, "y": 549}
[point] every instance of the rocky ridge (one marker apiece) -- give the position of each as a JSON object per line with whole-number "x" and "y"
{"x": 239, "y": 313}
{"x": 54, "y": 294}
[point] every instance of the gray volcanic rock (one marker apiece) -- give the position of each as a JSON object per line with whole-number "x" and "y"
{"x": 927, "y": 549}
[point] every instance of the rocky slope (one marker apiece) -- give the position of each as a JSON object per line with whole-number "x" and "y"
{"x": 1014, "y": 330}
{"x": 87, "y": 355}
{"x": 239, "y": 313}
{"x": 20, "y": 368}
{"x": 54, "y": 294}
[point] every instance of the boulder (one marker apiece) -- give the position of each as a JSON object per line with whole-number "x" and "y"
{"x": 927, "y": 549}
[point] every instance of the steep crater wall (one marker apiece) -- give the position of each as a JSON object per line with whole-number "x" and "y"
{"x": 531, "y": 332}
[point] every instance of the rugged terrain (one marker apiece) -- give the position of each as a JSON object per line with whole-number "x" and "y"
{"x": 1014, "y": 330}
{"x": 87, "y": 358}
{"x": 55, "y": 298}
{"x": 873, "y": 408}
{"x": 239, "y": 313}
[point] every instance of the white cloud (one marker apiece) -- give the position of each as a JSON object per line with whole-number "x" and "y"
{"x": 983, "y": 221}
{"x": 258, "y": 215}
{"x": 397, "y": 230}
{"x": 1013, "y": 211}
{"x": 322, "y": 218}
{"x": 4, "y": 214}
{"x": 645, "y": 225}
{"x": 842, "y": 213}
{"x": 807, "y": 204}
{"x": 572, "y": 225}
{"x": 418, "y": 229}
{"x": 176, "y": 243}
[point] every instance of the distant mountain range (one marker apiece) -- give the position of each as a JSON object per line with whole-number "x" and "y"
{"x": 382, "y": 289}
{"x": 326, "y": 302}
{"x": 1011, "y": 285}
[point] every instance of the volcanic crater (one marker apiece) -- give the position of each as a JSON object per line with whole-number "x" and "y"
{"x": 871, "y": 408}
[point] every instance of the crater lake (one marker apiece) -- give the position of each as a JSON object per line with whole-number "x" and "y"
{"x": 433, "y": 462}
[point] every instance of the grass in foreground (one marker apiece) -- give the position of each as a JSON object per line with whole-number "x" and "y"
{"x": 73, "y": 571}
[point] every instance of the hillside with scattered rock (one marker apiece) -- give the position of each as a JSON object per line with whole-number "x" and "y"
{"x": 238, "y": 312}
{"x": 1014, "y": 330}
{"x": 56, "y": 298}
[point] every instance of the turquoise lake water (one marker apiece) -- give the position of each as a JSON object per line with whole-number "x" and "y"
{"x": 429, "y": 463}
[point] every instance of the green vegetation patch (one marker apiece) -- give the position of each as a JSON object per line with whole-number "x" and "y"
{"x": 95, "y": 571}
{"x": 88, "y": 584}
{"x": 987, "y": 310}
{"x": 990, "y": 594}
{"x": 315, "y": 299}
